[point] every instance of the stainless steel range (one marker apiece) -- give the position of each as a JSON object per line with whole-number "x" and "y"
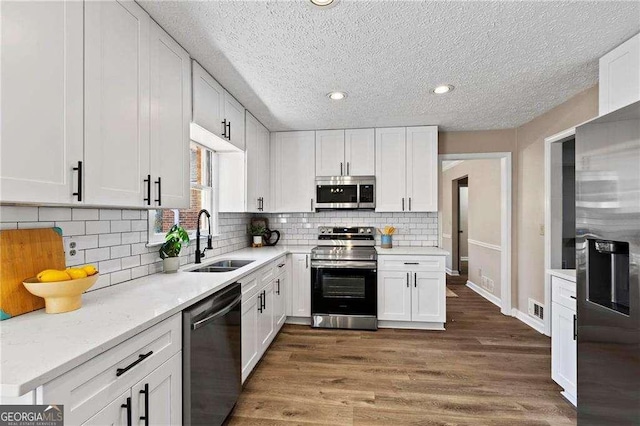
{"x": 344, "y": 285}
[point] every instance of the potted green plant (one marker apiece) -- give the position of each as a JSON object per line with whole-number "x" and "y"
{"x": 170, "y": 249}
{"x": 257, "y": 232}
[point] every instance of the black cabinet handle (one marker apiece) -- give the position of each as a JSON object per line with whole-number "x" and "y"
{"x": 278, "y": 290}
{"x": 573, "y": 297}
{"x": 306, "y": 260}
{"x": 409, "y": 203}
{"x": 341, "y": 169}
{"x": 281, "y": 265}
{"x": 145, "y": 392}
{"x": 415, "y": 280}
{"x": 224, "y": 128}
{"x": 229, "y": 132}
{"x": 411, "y": 263}
{"x": 348, "y": 169}
{"x": 159, "y": 183}
{"x": 575, "y": 327}
{"x": 264, "y": 299}
{"x": 121, "y": 371}
{"x": 260, "y": 303}
{"x": 402, "y": 204}
{"x": 407, "y": 280}
{"x": 147, "y": 199}
{"x": 79, "y": 170}
{"x": 128, "y": 407}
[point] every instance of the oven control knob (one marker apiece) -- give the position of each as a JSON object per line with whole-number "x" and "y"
{"x": 369, "y": 231}
{"x": 361, "y": 230}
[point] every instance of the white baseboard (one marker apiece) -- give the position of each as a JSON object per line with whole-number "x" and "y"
{"x": 464, "y": 258}
{"x": 412, "y": 325}
{"x": 298, "y": 320}
{"x": 451, "y": 272}
{"x": 484, "y": 293}
{"x": 535, "y": 323}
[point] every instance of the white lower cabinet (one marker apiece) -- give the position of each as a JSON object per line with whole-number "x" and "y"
{"x": 151, "y": 360}
{"x": 563, "y": 337}
{"x": 300, "y": 299}
{"x": 263, "y": 312}
{"x": 411, "y": 292}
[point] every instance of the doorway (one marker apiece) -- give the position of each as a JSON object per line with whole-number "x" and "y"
{"x": 463, "y": 226}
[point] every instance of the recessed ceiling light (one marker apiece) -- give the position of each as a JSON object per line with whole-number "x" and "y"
{"x": 441, "y": 90}
{"x": 322, "y": 3}
{"x": 336, "y": 96}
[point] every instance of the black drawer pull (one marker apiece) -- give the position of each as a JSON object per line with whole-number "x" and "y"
{"x": 121, "y": 371}
{"x": 573, "y": 297}
{"x": 411, "y": 263}
{"x": 281, "y": 265}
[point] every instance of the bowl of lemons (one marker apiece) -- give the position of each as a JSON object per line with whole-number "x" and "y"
{"x": 62, "y": 289}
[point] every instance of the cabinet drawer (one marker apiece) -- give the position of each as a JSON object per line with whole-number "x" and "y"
{"x": 411, "y": 263}
{"x": 87, "y": 389}
{"x": 249, "y": 285}
{"x": 267, "y": 274}
{"x": 563, "y": 292}
{"x": 280, "y": 266}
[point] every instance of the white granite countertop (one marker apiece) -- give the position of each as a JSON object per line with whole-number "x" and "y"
{"x": 567, "y": 274}
{"x": 413, "y": 251}
{"x": 36, "y": 347}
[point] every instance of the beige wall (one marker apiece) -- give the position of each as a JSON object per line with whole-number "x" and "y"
{"x": 526, "y": 143}
{"x": 483, "y": 216}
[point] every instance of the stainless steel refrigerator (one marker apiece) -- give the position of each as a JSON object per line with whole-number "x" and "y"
{"x": 608, "y": 264}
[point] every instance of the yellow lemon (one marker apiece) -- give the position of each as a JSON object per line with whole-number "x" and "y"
{"x": 90, "y": 269}
{"x": 41, "y": 273}
{"x": 76, "y": 273}
{"x": 51, "y": 276}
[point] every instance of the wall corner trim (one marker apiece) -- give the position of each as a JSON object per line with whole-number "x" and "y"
{"x": 451, "y": 272}
{"x": 532, "y": 322}
{"x": 484, "y": 293}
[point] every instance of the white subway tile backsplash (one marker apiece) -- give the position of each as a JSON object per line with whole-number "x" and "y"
{"x": 110, "y": 214}
{"x": 130, "y": 262}
{"x": 85, "y": 214}
{"x": 133, "y": 214}
{"x": 54, "y": 213}
{"x": 130, "y": 237}
{"x": 18, "y": 214}
{"x": 139, "y": 225}
{"x": 96, "y": 255}
{"x": 120, "y": 251}
{"x": 72, "y": 228}
{"x": 148, "y": 258}
{"x": 139, "y": 248}
{"x": 120, "y": 225}
{"x": 120, "y": 276}
{"x": 8, "y": 225}
{"x": 139, "y": 271}
{"x": 33, "y": 225}
{"x": 106, "y": 240}
{"x": 98, "y": 227}
{"x": 108, "y": 266}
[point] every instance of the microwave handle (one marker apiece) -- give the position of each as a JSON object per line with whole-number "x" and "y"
{"x": 341, "y": 169}
{"x": 348, "y": 168}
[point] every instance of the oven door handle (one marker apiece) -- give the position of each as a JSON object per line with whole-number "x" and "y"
{"x": 344, "y": 264}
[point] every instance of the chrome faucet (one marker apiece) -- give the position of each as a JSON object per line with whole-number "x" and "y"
{"x": 200, "y": 254}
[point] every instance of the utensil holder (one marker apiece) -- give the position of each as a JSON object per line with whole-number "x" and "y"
{"x": 387, "y": 241}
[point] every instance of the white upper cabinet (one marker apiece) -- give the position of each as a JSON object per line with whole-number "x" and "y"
{"x": 407, "y": 169}
{"x": 257, "y": 153}
{"x": 391, "y": 182}
{"x": 208, "y": 101}
{"x": 620, "y": 76}
{"x": 170, "y": 71}
{"x": 330, "y": 153}
{"x": 348, "y": 152}
{"x": 422, "y": 169}
{"x": 360, "y": 152}
{"x": 293, "y": 155}
{"x": 234, "y": 116}
{"x": 116, "y": 103}
{"x": 41, "y": 128}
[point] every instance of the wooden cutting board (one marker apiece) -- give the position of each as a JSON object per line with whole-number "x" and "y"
{"x": 24, "y": 253}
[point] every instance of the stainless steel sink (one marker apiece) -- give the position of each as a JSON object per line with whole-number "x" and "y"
{"x": 223, "y": 266}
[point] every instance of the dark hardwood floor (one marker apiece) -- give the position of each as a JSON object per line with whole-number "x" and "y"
{"x": 485, "y": 369}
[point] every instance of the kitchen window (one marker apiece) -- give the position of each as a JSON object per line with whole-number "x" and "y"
{"x": 202, "y": 197}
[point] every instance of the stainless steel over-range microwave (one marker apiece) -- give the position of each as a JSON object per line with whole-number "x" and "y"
{"x": 345, "y": 192}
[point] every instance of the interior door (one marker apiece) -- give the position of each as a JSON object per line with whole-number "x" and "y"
{"x": 330, "y": 153}
{"x": 208, "y": 101}
{"x": 394, "y": 296}
{"x": 158, "y": 397}
{"x": 116, "y": 102}
{"x": 422, "y": 169}
{"x": 170, "y": 70}
{"x": 41, "y": 128}
{"x": 428, "y": 298}
{"x": 360, "y": 152}
{"x": 391, "y": 175}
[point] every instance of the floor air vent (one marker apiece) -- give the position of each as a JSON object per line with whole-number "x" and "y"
{"x": 536, "y": 309}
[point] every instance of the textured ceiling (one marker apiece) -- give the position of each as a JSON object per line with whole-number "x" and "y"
{"x": 509, "y": 61}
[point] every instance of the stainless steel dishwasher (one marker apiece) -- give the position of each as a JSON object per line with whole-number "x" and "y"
{"x": 212, "y": 370}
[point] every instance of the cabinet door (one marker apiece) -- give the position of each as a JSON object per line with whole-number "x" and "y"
{"x": 116, "y": 103}
{"x": 252, "y": 154}
{"x": 294, "y": 177}
{"x": 620, "y": 76}
{"x": 161, "y": 393}
{"x": 422, "y": 169}
{"x": 300, "y": 286}
{"x": 113, "y": 414}
{"x": 249, "y": 331}
{"x": 391, "y": 183}
{"x": 563, "y": 348}
{"x": 208, "y": 101}
{"x": 428, "y": 297}
{"x": 266, "y": 318}
{"x": 264, "y": 169}
{"x": 360, "y": 152}
{"x": 234, "y": 113}
{"x": 231, "y": 182}
{"x": 279, "y": 302}
{"x": 170, "y": 89}
{"x": 394, "y": 296}
{"x": 41, "y": 133}
{"x": 330, "y": 153}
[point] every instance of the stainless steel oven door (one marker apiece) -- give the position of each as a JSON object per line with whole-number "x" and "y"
{"x": 344, "y": 287}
